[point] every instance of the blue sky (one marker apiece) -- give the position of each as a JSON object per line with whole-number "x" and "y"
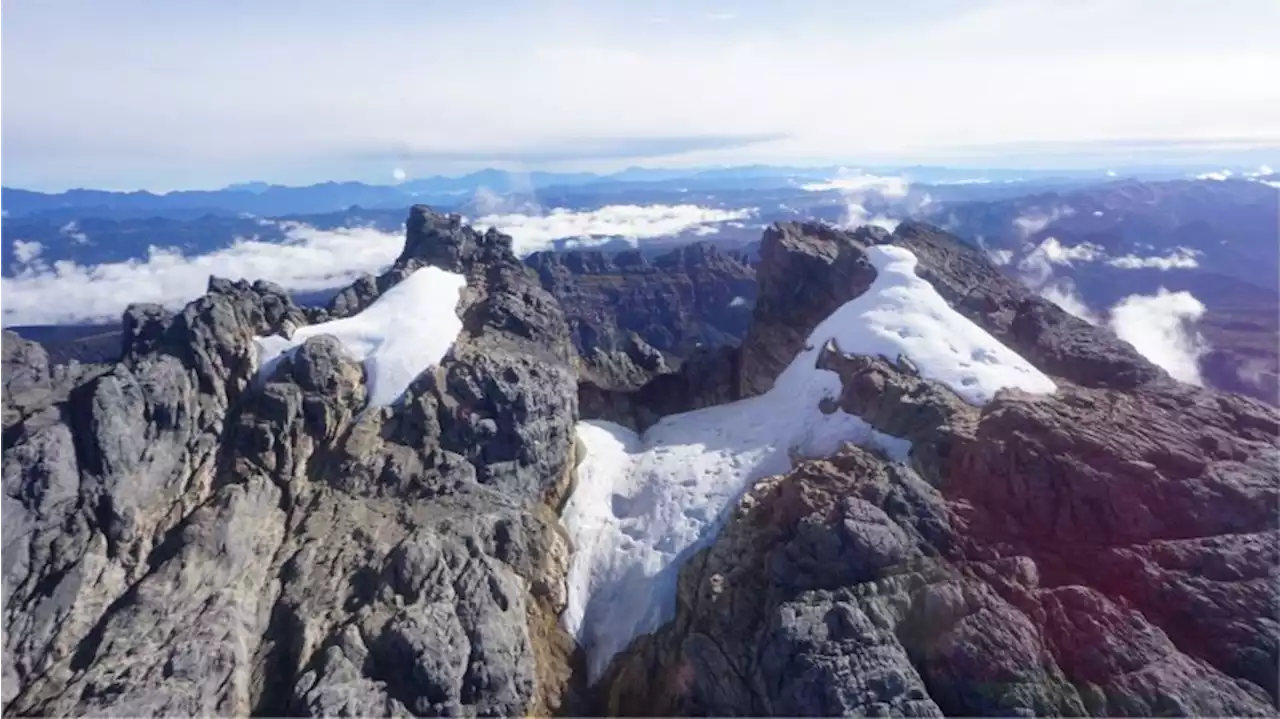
{"x": 198, "y": 93}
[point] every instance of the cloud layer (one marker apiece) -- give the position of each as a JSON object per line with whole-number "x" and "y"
{"x": 531, "y": 233}
{"x": 309, "y": 259}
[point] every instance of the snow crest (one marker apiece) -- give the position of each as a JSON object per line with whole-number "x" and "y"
{"x": 643, "y": 503}
{"x": 406, "y": 330}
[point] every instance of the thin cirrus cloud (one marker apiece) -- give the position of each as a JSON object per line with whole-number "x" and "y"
{"x": 562, "y": 150}
{"x": 309, "y": 259}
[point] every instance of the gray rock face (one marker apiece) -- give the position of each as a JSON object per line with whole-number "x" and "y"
{"x": 182, "y": 540}
{"x": 694, "y": 296}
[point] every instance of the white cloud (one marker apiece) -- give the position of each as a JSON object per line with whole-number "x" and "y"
{"x": 1000, "y": 258}
{"x": 1160, "y": 326}
{"x": 1063, "y": 293}
{"x": 309, "y": 259}
{"x": 722, "y": 16}
{"x": 631, "y": 222}
{"x": 72, "y": 231}
{"x": 1220, "y": 175}
{"x": 858, "y": 188}
{"x": 1097, "y": 213}
{"x": 26, "y": 251}
{"x": 1111, "y": 173}
{"x": 1060, "y": 254}
{"x": 398, "y": 174}
{"x": 858, "y": 181}
{"x": 1031, "y": 222}
{"x": 1037, "y": 266}
{"x": 1253, "y": 371}
{"x": 738, "y": 302}
{"x": 1181, "y": 258}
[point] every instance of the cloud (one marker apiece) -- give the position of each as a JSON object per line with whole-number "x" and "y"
{"x": 1063, "y": 293}
{"x": 72, "y": 231}
{"x": 1034, "y": 221}
{"x": 1060, "y": 254}
{"x": 1037, "y": 267}
{"x": 858, "y": 181}
{"x": 1000, "y": 258}
{"x": 1220, "y": 175}
{"x": 532, "y": 232}
{"x": 1254, "y": 371}
{"x": 26, "y": 251}
{"x": 565, "y": 149}
{"x": 308, "y": 259}
{"x": 1182, "y": 258}
{"x": 398, "y": 174}
{"x": 1160, "y": 327}
{"x": 722, "y": 16}
{"x": 859, "y": 188}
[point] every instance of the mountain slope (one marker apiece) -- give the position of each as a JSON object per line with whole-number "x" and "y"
{"x": 1107, "y": 549}
{"x": 180, "y": 540}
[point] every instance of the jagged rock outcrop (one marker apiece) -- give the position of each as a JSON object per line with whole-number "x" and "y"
{"x": 1110, "y": 549}
{"x": 182, "y": 539}
{"x": 808, "y": 269}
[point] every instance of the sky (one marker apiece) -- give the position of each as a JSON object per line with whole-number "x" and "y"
{"x": 135, "y": 94}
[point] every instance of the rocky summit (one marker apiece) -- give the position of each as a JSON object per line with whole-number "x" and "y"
{"x": 187, "y": 535}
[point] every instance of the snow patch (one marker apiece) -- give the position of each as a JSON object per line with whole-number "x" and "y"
{"x": 405, "y": 331}
{"x": 643, "y": 503}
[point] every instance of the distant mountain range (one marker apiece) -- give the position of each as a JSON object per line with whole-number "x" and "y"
{"x": 263, "y": 199}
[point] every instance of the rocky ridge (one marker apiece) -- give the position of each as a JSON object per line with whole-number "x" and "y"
{"x": 184, "y": 538}
{"x": 1106, "y": 550}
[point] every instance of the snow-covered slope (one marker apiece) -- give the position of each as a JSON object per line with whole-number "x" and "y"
{"x": 643, "y": 503}
{"x": 405, "y": 331}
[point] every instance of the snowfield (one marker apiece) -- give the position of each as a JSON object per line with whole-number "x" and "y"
{"x": 405, "y": 331}
{"x": 643, "y": 503}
